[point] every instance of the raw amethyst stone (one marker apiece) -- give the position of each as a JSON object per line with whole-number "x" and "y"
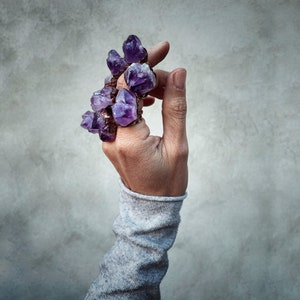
{"x": 133, "y": 50}
{"x": 140, "y": 78}
{"x": 100, "y": 122}
{"x": 89, "y": 122}
{"x": 107, "y": 126}
{"x": 102, "y": 98}
{"x": 126, "y": 97}
{"x": 115, "y": 62}
{"x": 107, "y": 135}
{"x": 125, "y": 109}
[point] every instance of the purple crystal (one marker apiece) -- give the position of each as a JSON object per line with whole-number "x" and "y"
{"x": 89, "y": 122}
{"x": 113, "y": 108}
{"x": 115, "y": 62}
{"x": 126, "y": 97}
{"x": 133, "y": 50}
{"x": 107, "y": 136}
{"x": 140, "y": 78}
{"x": 107, "y": 125}
{"x": 102, "y": 98}
{"x": 125, "y": 109}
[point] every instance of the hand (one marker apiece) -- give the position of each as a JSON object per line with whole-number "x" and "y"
{"x": 153, "y": 165}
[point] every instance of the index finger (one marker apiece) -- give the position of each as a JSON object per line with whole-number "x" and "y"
{"x": 157, "y": 53}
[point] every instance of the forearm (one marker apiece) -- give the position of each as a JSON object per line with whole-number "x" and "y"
{"x": 145, "y": 230}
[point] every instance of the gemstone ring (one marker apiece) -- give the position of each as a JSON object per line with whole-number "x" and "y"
{"x": 112, "y": 106}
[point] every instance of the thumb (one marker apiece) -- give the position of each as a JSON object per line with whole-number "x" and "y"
{"x": 174, "y": 109}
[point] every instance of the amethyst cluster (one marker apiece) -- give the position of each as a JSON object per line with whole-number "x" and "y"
{"x": 112, "y": 107}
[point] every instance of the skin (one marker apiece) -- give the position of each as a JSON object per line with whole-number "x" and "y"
{"x": 153, "y": 165}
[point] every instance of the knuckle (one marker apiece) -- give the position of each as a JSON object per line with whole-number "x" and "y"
{"x": 122, "y": 148}
{"x": 106, "y": 147}
{"x": 109, "y": 150}
{"x": 126, "y": 148}
{"x": 180, "y": 152}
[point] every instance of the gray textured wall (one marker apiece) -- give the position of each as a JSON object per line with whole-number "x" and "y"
{"x": 239, "y": 236}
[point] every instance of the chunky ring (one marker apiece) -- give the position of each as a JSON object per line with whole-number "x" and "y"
{"x": 114, "y": 107}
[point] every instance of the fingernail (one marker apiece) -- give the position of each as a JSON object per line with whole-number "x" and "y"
{"x": 179, "y": 78}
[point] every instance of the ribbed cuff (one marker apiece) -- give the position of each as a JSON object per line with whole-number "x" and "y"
{"x": 138, "y": 196}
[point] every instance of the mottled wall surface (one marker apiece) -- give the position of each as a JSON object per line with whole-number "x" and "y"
{"x": 240, "y": 231}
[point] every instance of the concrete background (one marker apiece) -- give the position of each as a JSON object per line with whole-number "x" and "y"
{"x": 239, "y": 236}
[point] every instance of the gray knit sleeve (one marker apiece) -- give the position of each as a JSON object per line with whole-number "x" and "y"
{"x": 145, "y": 229}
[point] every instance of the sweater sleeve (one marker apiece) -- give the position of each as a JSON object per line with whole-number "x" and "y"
{"x": 145, "y": 230}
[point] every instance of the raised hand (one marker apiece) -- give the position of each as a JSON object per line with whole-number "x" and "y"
{"x": 153, "y": 165}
